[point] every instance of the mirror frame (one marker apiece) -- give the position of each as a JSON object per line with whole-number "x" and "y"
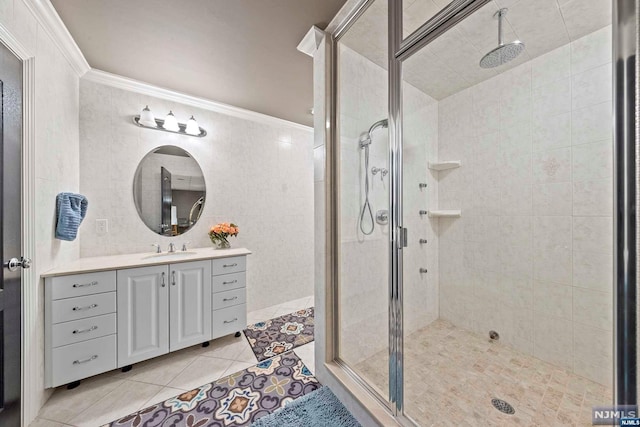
{"x": 134, "y": 191}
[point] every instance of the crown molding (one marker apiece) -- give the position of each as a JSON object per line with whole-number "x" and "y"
{"x": 49, "y": 19}
{"x": 125, "y": 83}
{"x": 310, "y": 42}
{"x": 13, "y": 44}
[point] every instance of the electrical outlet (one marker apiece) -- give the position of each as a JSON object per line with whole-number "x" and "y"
{"x": 102, "y": 226}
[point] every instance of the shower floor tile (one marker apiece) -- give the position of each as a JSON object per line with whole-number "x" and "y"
{"x": 451, "y": 375}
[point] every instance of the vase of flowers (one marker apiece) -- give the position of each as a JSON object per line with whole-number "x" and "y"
{"x": 220, "y": 233}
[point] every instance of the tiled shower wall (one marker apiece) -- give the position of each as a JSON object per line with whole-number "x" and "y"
{"x": 365, "y": 259}
{"x": 531, "y": 256}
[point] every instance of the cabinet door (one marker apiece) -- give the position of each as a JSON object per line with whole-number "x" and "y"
{"x": 143, "y": 313}
{"x": 190, "y": 304}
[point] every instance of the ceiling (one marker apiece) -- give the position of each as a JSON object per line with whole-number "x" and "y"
{"x": 450, "y": 63}
{"x": 241, "y": 52}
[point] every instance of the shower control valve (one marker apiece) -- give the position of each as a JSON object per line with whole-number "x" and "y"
{"x": 382, "y": 217}
{"x": 383, "y": 172}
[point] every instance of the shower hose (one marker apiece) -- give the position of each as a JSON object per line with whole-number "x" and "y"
{"x": 366, "y": 207}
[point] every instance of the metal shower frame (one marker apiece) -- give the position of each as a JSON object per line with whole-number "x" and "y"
{"x": 626, "y": 138}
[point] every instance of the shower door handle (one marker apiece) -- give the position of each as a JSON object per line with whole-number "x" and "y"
{"x": 403, "y": 238}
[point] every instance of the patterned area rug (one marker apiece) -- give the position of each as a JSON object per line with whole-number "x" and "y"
{"x": 236, "y": 400}
{"x": 279, "y": 335}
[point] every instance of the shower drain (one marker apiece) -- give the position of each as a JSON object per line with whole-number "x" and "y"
{"x": 503, "y": 406}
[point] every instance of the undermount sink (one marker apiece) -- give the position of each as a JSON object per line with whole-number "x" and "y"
{"x": 170, "y": 254}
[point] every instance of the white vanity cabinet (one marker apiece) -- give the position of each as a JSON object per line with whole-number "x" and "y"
{"x": 143, "y": 313}
{"x": 136, "y": 308}
{"x": 229, "y": 296}
{"x": 162, "y": 309}
{"x": 189, "y": 304}
{"x": 80, "y": 326}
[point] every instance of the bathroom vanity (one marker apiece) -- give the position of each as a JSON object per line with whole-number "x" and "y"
{"x": 110, "y": 312}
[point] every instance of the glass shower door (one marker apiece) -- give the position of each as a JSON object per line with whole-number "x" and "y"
{"x": 363, "y": 199}
{"x": 507, "y": 196}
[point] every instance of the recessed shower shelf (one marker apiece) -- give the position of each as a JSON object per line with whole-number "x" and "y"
{"x": 441, "y": 166}
{"x": 452, "y": 213}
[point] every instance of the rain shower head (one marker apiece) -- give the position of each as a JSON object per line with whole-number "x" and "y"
{"x": 504, "y": 52}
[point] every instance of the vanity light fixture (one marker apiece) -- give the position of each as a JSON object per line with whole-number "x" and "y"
{"x": 192, "y": 127}
{"x": 169, "y": 124}
{"x": 147, "y": 119}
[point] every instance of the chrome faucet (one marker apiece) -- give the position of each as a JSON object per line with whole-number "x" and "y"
{"x": 158, "y": 250}
{"x": 184, "y": 246}
{"x": 172, "y": 248}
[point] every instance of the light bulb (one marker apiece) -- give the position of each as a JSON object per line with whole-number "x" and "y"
{"x": 171, "y": 123}
{"x": 147, "y": 119}
{"x": 192, "y": 127}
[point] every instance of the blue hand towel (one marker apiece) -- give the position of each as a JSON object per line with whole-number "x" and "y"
{"x": 71, "y": 209}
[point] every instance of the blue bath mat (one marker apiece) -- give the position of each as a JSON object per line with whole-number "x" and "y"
{"x": 320, "y": 408}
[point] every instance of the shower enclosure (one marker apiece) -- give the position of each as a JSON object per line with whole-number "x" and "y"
{"x": 484, "y": 280}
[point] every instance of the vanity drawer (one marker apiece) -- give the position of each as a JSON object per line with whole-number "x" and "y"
{"x": 226, "y": 282}
{"x": 77, "y": 361}
{"x": 83, "y": 329}
{"x": 228, "y": 265}
{"x": 229, "y": 298}
{"x": 68, "y": 309}
{"x": 82, "y": 284}
{"x": 229, "y": 320}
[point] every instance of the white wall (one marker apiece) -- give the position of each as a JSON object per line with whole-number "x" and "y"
{"x": 420, "y": 146}
{"x": 321, "y": 232}
{"x": 56, "y": 169}
{"x": 258, "y": 176}
{"x": 531, "y": 256}
{"x": 365, "y": 259}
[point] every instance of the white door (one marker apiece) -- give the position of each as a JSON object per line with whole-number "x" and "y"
{"x": 190, "y": 304}
{"x": 143, "y": 313}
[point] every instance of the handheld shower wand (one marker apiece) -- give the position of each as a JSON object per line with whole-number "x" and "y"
{"x": 366, "y": 206}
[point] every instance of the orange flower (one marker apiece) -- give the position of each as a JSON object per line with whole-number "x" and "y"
{"x": 224, "y": 229}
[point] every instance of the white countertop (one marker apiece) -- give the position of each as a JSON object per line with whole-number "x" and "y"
{"x": 118, "y": 262}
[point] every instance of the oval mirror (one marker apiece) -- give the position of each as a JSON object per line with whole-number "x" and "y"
{"x": 169, "y": 190}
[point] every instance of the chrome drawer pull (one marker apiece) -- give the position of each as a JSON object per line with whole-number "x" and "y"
{"x": 87, "y": 307}
{"x": 230, "y": 321}
{"x": 82, "y": 331}
{"x": 230, "y": 283}
{"x": 229, "y": 265}
{"x": 77, "y": 362}
{"x": 229, "y": 299}
{"x": 84, "y": 285}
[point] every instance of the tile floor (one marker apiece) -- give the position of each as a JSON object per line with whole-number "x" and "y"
{"x": 106, "y": 397}
{"x": 451, "y": 376}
